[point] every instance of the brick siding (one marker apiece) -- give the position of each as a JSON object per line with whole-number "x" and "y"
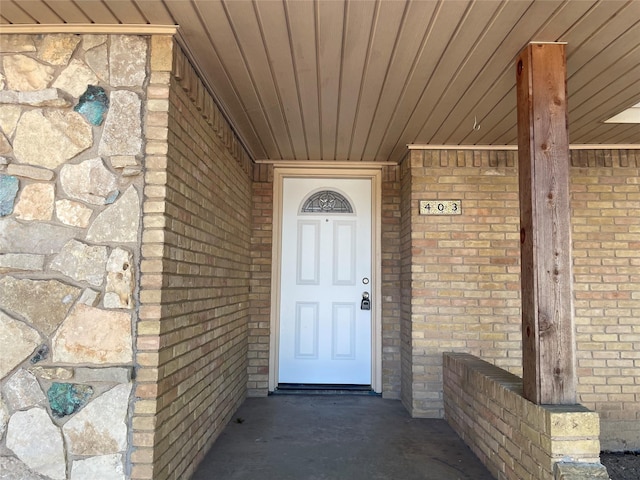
{"x": 193, "y": 336}
{"x": 261, "y": 260}
{"x": 406, "y": 281}
{"x": 391, "y": 292}
{"x": 464, "y": 282}
{"x": 605, "y": 203}
{"x": 461, "y": 289}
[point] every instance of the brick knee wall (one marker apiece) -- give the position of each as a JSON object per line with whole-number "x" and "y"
{"x": 514, "y": 438}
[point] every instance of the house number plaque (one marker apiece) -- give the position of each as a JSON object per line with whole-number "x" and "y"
{"x": 440, "y": 207}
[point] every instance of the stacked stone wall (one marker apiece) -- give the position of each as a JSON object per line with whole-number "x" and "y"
{"x": 71, "y": 160}
{"x": 193, "y": 334}
{"x": 464, "y": 292}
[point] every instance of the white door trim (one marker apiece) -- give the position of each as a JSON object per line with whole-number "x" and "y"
{"x": 375, "y": 175}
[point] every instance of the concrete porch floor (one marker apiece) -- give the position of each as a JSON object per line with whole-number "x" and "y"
{"x": 313, "y": 437}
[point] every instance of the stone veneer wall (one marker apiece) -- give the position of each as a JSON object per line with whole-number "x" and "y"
{"x": 514, "y": 438}
{"x": 193, "y": 333}
{"x": 70, "y": 194}
{"x": 460, "y": 279}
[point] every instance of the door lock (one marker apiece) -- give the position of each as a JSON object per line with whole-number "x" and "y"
{"x": 365, "y": 304}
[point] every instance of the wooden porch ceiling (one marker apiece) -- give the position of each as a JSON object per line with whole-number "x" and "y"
{"x": 359, "y": 80}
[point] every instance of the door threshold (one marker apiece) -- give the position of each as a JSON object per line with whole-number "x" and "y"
{"x": 322, "y": 389}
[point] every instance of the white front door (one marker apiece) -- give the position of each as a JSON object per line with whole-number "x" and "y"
{"x": 325, "y": 335}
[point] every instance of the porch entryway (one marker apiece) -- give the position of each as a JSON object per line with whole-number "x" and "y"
{"x": 325, "y": 334}
{"x": 336, "y": 437}
{"x": 326, "y": 310}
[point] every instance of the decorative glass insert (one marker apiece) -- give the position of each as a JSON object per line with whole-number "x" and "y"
{"x": 326, "y": 201}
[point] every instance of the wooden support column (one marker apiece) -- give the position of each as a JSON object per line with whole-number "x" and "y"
{"x": 548, "y": 348}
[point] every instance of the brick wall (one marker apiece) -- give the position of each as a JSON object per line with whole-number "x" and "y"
{"x": 193, "y": 337}
{"x": 464, "y": 280}
{"x": 406, "y": 282}
{"x": 461, "y": 291}
{"x": 605, "y": 201}
{"x": 261, "y": 260}
{"x": 514, "y": 438}
{"x": 391, "y": 291}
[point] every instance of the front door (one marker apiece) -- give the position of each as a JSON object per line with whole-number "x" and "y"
{"x": 325, "y": 328}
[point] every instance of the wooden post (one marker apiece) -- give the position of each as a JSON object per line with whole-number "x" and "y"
{"x": 545, "y": 228}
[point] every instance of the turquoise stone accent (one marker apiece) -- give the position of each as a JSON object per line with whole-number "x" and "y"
{"x": 67, "y": 398}
{"x": 112, "y": 197}
{"x": 8, "y": 191}
{"x": 93, "y": 104}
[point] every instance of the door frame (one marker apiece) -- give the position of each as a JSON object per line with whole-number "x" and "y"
{"x": 370, "y": 171}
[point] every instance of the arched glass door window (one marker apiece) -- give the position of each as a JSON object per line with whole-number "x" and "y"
{"x": 326, "y": 201}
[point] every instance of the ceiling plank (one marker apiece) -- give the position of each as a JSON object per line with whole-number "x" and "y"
{"x": 251, "y": 44}
{"x": 357, "y": 31}
{"x": 125, "y": 11}
{"x": 358, "y": 80}
{"x": 598, "y": 109}
{"x": 619, "y": 134}
{"x": 591, "y": 35}
{"x": 330, "y": 30}
{"x": 40, "y": 11}
{"x": 462, "y": 49}
{"x": 212, "y": 18}
{"x": 502, "y": 126}
{"x": 403, "y": 64}
{"x": 155, "y": 12}
{"x": 383, "y": 44}
{"x": 301, "y": 23}
{"x": 602, "y": 88}
{"x": 68, "y": 11}
{"x": 596, "y": 76}
{"x": 417, "y": 100}
{"x": 14, "y": 14}
{"x": 462, "y": 116}
{"x": 588, "y": 129}
{"x": 605, "y": 130}
{"x": 200, "y": 43}
{"x": 97, "y": 11}
{"x": 493, "y": 90}
{"x": 273, "y": 27}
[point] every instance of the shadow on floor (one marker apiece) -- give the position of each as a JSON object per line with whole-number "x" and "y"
{"x": 306, "y": 437}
